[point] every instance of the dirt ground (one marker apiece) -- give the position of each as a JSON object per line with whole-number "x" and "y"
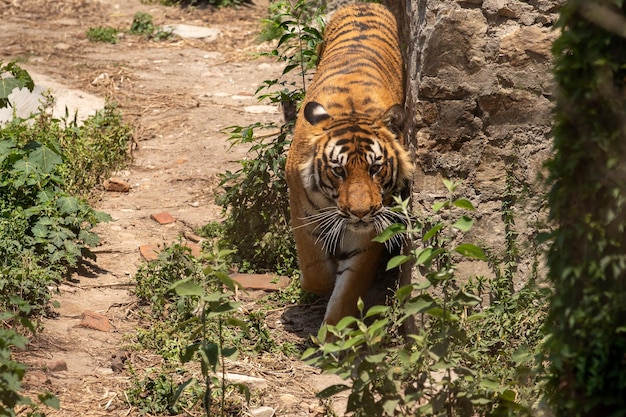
{"x": 178, "y": 95}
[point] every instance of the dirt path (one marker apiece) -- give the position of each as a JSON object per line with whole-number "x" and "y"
{"x": 178, "y": 95}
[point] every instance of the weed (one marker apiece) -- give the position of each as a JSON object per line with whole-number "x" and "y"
{"x": 255, "y": 197}
{"x": 105, "y": 34}
{"x": 455, "y": 364}
{"x": 12, "y": 402}
{"x": 142, "y": 25}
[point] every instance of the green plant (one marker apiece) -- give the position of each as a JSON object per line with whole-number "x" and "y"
{"x": 255, "y": 197}
{"x": 586, "y": 323}
{"x": 452, "y": 365}
{"x": 45, "y": 231}
{"x": 211, "y": 349}
{"x": 12, "y": 401}
{"x": 193, "y": 299}
{"x": 103, "y": 34}
{"x": 142, "y": 25}
{"x": 20, "y": 78}
{"x": 92, "y": 150}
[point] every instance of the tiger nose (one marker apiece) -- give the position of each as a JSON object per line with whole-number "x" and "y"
{"x": 359, "y": 201}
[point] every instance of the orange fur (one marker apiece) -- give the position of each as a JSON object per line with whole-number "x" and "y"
{"x": 347, "y": 157}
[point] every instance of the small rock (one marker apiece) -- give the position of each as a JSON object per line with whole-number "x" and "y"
{"x": 262, "y": 412}
{"x": 56, "y": 365}
{"x": 117, "y": 361}
{"x": 101, "y": 79}
{"x": 193, "y": 32}
{"x": 254, "y": 383}
{"x": 260, "y": 109}
{"x": 192, "y": 236}
{"x": 35, "y": 379}
{"x": 95, "y": 321}
{"x": 116, "y": 185}
{"x": 288, "y": 399}
{"x": 163, "y": 218}
{"x": 61, "y": 46}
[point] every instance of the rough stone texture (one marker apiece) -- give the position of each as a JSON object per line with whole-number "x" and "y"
{"x": 478, "y": 102}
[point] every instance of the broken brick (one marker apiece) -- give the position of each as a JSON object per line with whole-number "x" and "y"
{"x": 149, "y": 252}
{"x": 163, "y": 218}
{"x": 95, "y": 321}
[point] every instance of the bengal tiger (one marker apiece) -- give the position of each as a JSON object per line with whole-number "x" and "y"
{"x": 347, "y": 158}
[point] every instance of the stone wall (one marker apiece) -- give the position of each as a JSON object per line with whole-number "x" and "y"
{"x": 478, "y": 98}
{"x": 479, "y": 84}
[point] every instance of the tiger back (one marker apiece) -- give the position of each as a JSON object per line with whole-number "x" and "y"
{"x": 347, "y": 159}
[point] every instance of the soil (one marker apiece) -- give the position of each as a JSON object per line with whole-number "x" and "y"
{"x": 178, "y": 95}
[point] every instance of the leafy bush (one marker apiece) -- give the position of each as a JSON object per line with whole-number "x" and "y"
{"x": 104, "y": 34}
{"x": 12, "y": 402}
{"x": 142, "y": 25}
{"x": 587, "y": 260}
{"x": 192, "y": 301}
{"x": 255, "y": 197}
{"x": 469, "y": 358}
{"x": 44, "y": 230}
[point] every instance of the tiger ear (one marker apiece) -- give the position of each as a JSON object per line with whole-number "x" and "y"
{"x": 394, "y": 118}
{"x": 315, "y": 113}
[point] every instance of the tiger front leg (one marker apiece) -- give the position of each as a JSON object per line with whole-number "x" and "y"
{"x": 317, "y": 269}
{"x": 355, "y": 274}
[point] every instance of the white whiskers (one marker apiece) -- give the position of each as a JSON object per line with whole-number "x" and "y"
{"x": 330, "y": 225}
{"x": 385, "y": 218}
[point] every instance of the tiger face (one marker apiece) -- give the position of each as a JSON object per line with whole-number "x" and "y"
{"x": 356, "y": 166}
{"x": 347, "y": 160}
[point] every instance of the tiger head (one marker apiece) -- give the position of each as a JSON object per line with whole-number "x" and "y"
{"x": 358, "y": 165}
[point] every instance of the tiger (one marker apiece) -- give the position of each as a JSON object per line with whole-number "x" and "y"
{"x": 347, "y": 159}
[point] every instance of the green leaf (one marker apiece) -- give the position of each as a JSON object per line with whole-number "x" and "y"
{"x": 179, "y": 391}
{"x": 45, "y": 159}
{"x": 210, "y": 352}
{"x": 464, "y": 204}
{"x": 439, "y": 205}
{"x": 235, "y": 322}
{"x": 467, "y": 299}
{"x": 471, "y": 251}
{"x": 187, "y": 354}
{"x": 187, "y": 287}
{"x": 68, "y": 205}
{"x": 508, "y": 395}
{"x": 432, "y": 232}
{"x": 230, "y": 353}
{"x": 376, "y": 310}
{"x": 398, "y": 260}
{"x": 490, "y": 384}
{"x": 49, "y": 400}
{"x": 464, "y": 224}
{"x": 332, "y": 390}
{"x": 450, "y": 185}
{"x": 390, "y": 232}
{"x": 476, "y": 317}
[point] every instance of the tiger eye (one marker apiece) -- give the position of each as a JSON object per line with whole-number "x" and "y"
{"x": 375, "y": 169}
{"x": 338, "y": 171}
